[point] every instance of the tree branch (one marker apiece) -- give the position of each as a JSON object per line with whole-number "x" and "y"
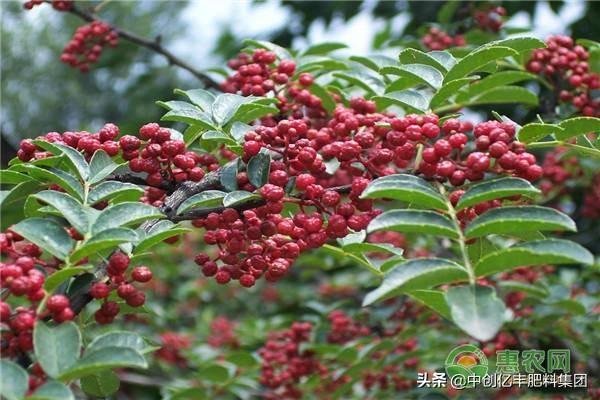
{"x": 153, "y": 45}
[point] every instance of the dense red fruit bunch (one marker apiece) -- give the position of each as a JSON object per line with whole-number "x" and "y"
{"x": 285, "y": 364}
{"x": 22, "y": 276}
{"x": 87, "y": 44}
{"x": 59, "y": 5}
{"x": 173, "y": 344}
{"x": 222, "y": 333}
{"x": 591, "y": 201}
{"x": 261, "y": 73}
{"x": 83, "y": 141}
{"x": 116, "y": 270}
{"x": 566, "y": 66}
{"x": 558, "y": 169}
{"x": 437, "y": 39}
{"x": 163, "y": 159}
{"x": 326, "y": 163}
{"x": 490, "y": 19}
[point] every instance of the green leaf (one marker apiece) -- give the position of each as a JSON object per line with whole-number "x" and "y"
{"x": 258, "y": 169}
{"x": 363, "y": 78}
{"x": 209, "y": 198}
{"x": 422, "y": 73}
{"x": 56, "y": 348}
{"x": 496, "y": 189}
{"x": 161, "y": 231}
{"x": 219, "y": 137}
{"x": 421, "y": 221}
{"x": 103, "y": 359}
{"x": 110, "y": 189}
{"x": 57, "y": 278}
{"x": 62, "y": 178}
{"x": 101, "y": 165}
{"x": 410, "y": 100}
{"x": 199, "y": 97}
{"x": 52, "y": 390}
{"x": 536, "y": 131}
{"x": 477, "y": 59}
{"x": 445, "y": 58}
{"x": 239, "y": 130}
{"x": 10, "y": 177}
{"x": 228, "y": 106}
{"x": 521, "y": 43}
{"x": 449, "y": 89}
{"x": 252, "y": 111}
{"x": 414, "y": 56}
{"x": 74, "y": 158}
{"x": 47, "y": 234}
{"x": 69, "y": 208}
{"x": 477, "y": 310}
{"x": 106, "y": 239}
{"x": 362, "y": 248}
{"x": 416, "y": 274}
{"x": 573, "y": 307}
{"x": 447, "y": 11}
{"x": 540, "y": 252}
{"x": 101, "y": 384}
{"x": 242, "y": 359}
{"x": 126, "y": 339}
{"x": 502, "y": 78}
{"x": 238, "y": 197}
{"x": 323, "y": 48}
{"x": 374, "y": 61}
{"x": 279, "y": 51}
{"x": 14, "y": 380}
{"x": 519, "y": 219}
{"x": 124, "y": 214}
{"x": 532, "y": 290}
{"x": 505, "y": 95}
{"x": 214, "y": 373}
{"x": 181, "y": 111}
{"x": 228, "y": 175}
{"x": 408, "y": 188}
{"x": 19, "y": 192}
{"x": 434, "y": 299}
{"x": 578, "y": 126}
{"x": 326, "y": 98}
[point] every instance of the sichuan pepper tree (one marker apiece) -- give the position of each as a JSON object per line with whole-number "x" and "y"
{"x": 298, "y": 152}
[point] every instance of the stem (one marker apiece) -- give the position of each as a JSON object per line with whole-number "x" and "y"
{"x": 462, "y": 243}
{"x": 153, "y": 45}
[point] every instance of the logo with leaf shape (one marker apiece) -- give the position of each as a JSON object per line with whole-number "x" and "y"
{"x": 466, "y": 360}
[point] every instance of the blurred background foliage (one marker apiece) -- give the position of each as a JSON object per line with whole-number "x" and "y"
{"x": 40, "y": 94}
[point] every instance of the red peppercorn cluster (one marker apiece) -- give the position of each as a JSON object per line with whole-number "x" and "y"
{"x": 591, "y": 201}
{"x": 284, "y": 363}
{"x": 88, "y": 43}
{"x": 566, "y": 66}
{"x": 490, "y": 19}
{"x": 58, "y": 5}
{"x": 116, "y": 269}
{"x": 559, "y": 168}
{"x": 260, "y": 73}
{"x": 83, "y": 141}
{"x": 22, "y": 275}
{"x": 173, "y": 344}
{"x": 344, "y": 328}
{"x": 222, "y": 333}
{"x": 437, "y": 39}
{"x": 163, "y": 159}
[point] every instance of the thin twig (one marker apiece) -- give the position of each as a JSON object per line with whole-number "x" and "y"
{"x": 153, "y": 45}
